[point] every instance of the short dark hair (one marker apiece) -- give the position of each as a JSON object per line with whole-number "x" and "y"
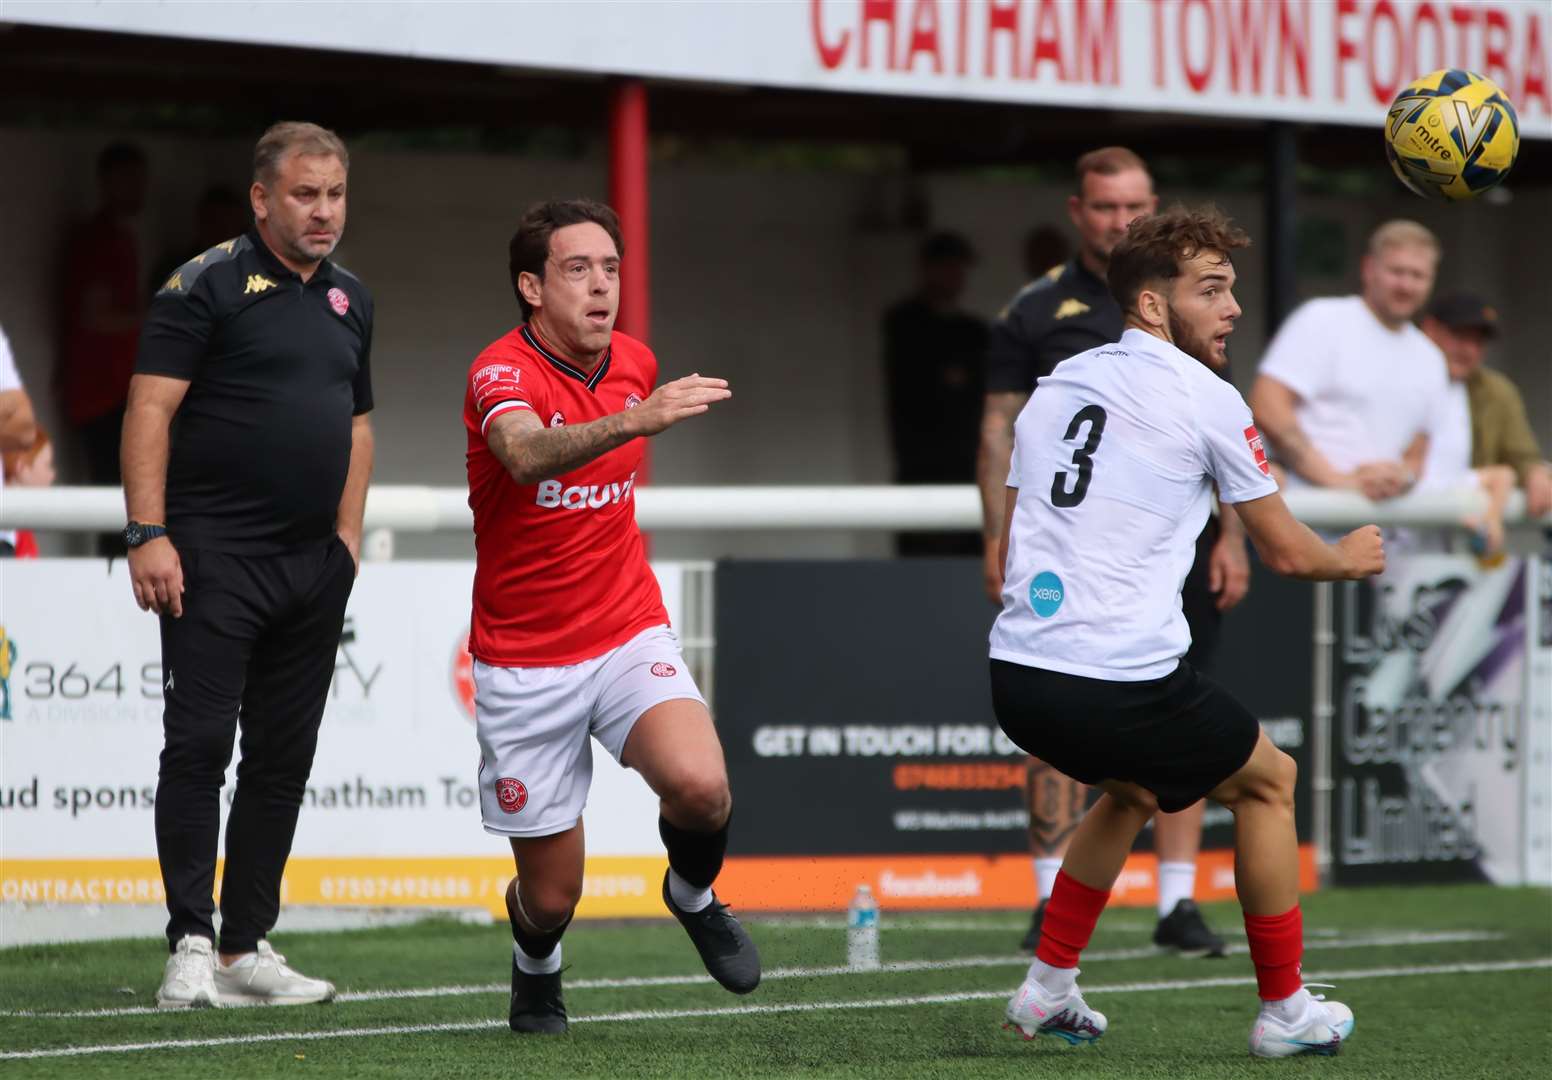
{"x": 1155, "y": 246}
{"x": 530, "y": 245}
{"x": 1109, "y": 161}
{"x": 296, "y": 136}
{"x": 119, "y": 153}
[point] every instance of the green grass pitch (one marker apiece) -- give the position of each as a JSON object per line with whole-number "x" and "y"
{"x": 1445, "y": 983}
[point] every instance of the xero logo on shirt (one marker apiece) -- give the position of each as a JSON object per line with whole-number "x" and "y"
{"x": 1045, "y": 594}
{"x": 551, "y": 494}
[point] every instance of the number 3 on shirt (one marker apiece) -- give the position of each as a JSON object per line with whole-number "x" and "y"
{"x": 1082, "y": 457}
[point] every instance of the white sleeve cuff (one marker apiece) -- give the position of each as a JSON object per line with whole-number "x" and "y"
{"x": 500, "y": 408}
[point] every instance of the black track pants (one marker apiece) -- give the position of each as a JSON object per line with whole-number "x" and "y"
{"x": 256, "y": 647}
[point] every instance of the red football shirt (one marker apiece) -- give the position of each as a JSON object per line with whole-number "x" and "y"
{"x": 560, "y": 573}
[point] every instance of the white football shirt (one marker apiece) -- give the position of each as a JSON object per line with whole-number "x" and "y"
{"x": 1365, "y": 390}
{"x": 1114, "y": 458}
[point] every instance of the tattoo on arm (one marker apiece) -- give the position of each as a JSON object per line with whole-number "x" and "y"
{"x": 1055, "y": 808}
{"x": 531, "y": 452}
{"x": 995, "y": 454}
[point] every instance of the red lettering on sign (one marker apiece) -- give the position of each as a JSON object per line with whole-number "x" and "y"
{"x": 1464, "y": 17}
{"x": 1293, "y": 40}
{"x": 1099, "y": 46}
{"x": 829, "y": 55}
{"x": 1245, "y": 27}
{"x": 1002, "y": 18}
{"x": 1346, "y": 50}
{"x": 1198, "y": 77}
{"x": 1534, "y": 87}
{"x": 1246, "y": 52}
{"x": 878, "y": 11}
{"x": 1495, "y": 50}
{"x": 1158, "y": 42}
{"x": 1383, "y": 89}
{"x": 1048, "y": 41}
{"x": 924, "y": 36}
{"x": 1435, "y": 59}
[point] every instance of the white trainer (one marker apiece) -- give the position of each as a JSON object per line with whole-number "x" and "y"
{"x": 1033, "y": 1011}
{"x": 262, "y": 978}
{"x": 1323, "y": 1028}
{"x": 189, "y": 981}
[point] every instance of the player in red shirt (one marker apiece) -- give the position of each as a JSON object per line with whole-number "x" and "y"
{"x": 569, "y": 634}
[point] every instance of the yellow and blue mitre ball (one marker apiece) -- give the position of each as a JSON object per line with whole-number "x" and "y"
{"x": 1451, "y": 135}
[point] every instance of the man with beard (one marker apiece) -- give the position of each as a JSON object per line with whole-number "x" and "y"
{"x": 244, "y": 534}
{"x": 1066, "y": 311}
{"x": 1350, "y": 389}
{"x": 1115, "y": 462}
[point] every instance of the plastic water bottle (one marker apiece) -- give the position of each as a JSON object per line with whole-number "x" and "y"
{"x": 862, "y": 931}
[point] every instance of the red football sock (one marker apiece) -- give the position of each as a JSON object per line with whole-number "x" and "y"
{"x": 1070, "y": 916}
{"x": 1276, "y": 948}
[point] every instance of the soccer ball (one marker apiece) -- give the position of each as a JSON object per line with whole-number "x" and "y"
{"x": 1451, "y": 135}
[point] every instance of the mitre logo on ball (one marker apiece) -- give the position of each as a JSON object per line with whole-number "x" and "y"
{"x": 1451, "y": 135}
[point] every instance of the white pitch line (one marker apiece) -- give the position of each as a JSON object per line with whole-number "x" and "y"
{"x": 912, "y": 924}
{"x": 1365, "y": 941}
{"x": 768, "y": 1010}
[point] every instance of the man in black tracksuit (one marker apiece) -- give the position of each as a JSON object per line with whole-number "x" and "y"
{"x": 1067, "y": 311}
{"x": 247, "y": 451}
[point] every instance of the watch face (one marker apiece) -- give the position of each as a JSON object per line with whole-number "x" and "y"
{"x": 133, "y": 537}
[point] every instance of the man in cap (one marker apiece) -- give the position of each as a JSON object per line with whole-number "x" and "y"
{"x": 1485, "y": 407}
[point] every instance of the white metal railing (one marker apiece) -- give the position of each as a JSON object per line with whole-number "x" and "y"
{"x": 926, "y": 507}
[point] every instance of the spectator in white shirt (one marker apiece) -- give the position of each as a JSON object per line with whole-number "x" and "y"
{"x": 1349, "y": 388}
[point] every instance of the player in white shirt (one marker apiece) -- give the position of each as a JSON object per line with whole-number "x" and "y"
{"x": 1114, "y": 465}
{"x": 1349, "y": 389}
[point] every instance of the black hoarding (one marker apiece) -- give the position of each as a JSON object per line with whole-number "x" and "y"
{"x": 855, "y": 710}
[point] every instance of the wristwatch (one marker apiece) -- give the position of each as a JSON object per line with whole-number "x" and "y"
{"x": 137, "y": 533}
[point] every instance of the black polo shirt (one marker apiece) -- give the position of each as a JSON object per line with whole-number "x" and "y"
{"x": 932, "y": 361}
{"x": 1064, "y": 313}
{"x": 276, "y": 370}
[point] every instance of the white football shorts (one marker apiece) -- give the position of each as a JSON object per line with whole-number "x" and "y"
{"x": 536, "y": 761}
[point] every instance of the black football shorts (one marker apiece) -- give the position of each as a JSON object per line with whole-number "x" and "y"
{"x": 1179, "y": 736}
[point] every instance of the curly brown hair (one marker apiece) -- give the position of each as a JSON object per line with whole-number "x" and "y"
{"x": 1157, "y": 246}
